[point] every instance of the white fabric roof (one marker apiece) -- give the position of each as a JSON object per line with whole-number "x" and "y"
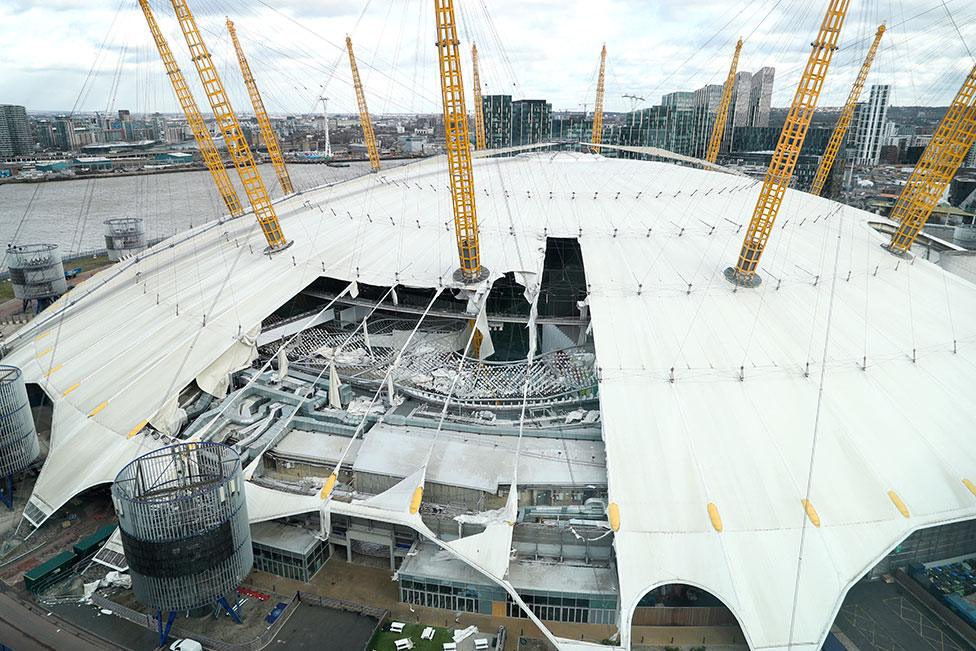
{"x": 737, "y": 427}
{"x": 480, "y": 462}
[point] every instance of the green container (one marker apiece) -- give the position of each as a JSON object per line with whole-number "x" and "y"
{"x": 93, "y": 541}
{"x": 48, "y": 571}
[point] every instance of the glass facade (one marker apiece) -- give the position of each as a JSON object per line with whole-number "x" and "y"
{"x": 290, "y": 565}
{"x": 475, "y": 598}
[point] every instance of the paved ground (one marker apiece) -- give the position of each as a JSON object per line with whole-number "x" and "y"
{"x": 876, "y": 616}
{"x": 324, "y": 629}
{"x": 24, "y": 628}
{"x": 124, "y": 633}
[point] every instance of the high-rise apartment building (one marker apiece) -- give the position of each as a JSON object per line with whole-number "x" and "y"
{"x": 512, "y": 123}
{"x": 752, "y": 95}
{"x": 706, "y": 103}
{"x": 15, "y": 135}
{"x": 498, "y": 120}
{"x": 871, "y": 126}
{"x": 531, "y": 121}
{"x": 761, "y": 96}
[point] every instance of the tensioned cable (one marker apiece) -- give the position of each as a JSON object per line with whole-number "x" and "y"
{"x": 387, "y": 378}
{"x": 816, "y": 431}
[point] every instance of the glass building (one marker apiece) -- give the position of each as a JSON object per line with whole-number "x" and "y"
{"x": 585, "y": 594}
{"x": 288, "y": 551}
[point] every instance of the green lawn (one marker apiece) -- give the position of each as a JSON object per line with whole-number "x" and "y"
{"x": 384, "y": 640}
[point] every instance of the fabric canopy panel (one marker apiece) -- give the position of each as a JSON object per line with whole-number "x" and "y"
{"x": 714, "y": 418}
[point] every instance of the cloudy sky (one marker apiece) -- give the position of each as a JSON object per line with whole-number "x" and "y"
{"x": 97, "y": 55}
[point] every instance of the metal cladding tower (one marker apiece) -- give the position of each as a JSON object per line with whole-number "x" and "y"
{"x": 19, "y": 445}
{"x": 458, "y": 145}
{"x": 940, "y": 161}
{"x": 597, "y": 137}
{"x": 211, "y": 157}
{"x": 226, "y": 119}
{"x": 183, "y": 520}
{"x": 124, "y": 236}
{"x": 780, "y": 171}
{"x": 36, "y": 272}
{"x": 264, "y": 122}
{"x": 718, "y": 129}
{"x": 369, "y": 136}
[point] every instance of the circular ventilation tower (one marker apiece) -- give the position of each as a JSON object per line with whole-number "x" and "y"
{"x": 36, "y": 271}
{"x": 183, "y": 520}
{"x": 19, "y": 446}
{"x": 124, "y": 236}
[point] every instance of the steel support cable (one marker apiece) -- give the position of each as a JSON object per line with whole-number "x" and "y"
{"x": 307, "y": 324}
{"x": 813, "y": 443}
{"x": 85, "y": 88}
{"x": 384, "y": 383}
{"x": 311, "y": 388}
{"x": 319, "y": 36}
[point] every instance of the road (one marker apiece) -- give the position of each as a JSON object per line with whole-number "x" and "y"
{"x": 26, "y": 629}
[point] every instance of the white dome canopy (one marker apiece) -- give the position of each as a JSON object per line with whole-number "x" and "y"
{"x": 843, "y": 378}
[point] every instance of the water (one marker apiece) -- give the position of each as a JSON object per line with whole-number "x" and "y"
{"x": 70, "y": 213}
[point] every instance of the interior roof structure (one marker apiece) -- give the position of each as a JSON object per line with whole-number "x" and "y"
{"x": 843, "y": 379}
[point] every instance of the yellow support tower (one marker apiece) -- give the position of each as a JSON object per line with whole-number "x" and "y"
{"x": 598, "y": 106}
{"x": 791, "y": 139}
{"x": 211, "y": 157}
{"x": 368, "y": 136}
{"x": 718, "y": 130}
{"x": 479, "y": 109}
{"x": 270, "y": 139}
{"x": 234, "y": 139}
{"x": 844, "y": 121}
{"x": 939, "y": 163}
{"x": 458, "y": 145}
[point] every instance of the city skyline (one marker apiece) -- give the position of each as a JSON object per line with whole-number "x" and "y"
{"x": 536, "y": 53}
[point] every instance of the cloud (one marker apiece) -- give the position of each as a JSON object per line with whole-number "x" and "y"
{"x": 541, "y": 49}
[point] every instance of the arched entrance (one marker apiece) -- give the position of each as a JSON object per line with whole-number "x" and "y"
{"x": 684, "y": 617}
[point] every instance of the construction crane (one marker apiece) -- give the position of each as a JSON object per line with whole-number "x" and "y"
{"x": 598, "y": 105}
{"x": 787, "y": 152}
{"x": 458, "y": 145}
{"x": 234, "y": 139}
{"x": 479, "y": 109}
{"x": 939, "y": 163}
{"x": 211, "y": 156}
{"x": 718, "y": 129}
{"x": 844, "y": 121}
{"x": 368, "y": 136}
{"x": 270, "y": 139}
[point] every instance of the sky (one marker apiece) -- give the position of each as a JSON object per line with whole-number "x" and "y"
{"x": 98, "y": 55}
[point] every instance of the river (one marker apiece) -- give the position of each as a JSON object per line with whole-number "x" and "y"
{"x": 70, "y": 213}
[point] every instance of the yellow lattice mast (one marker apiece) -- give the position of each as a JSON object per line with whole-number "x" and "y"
{"x": 458, "y": 145}
{"x": 939, "y": 163}
{"x": 844, "y": 121}
{"x": 234, "y": 139}
{"x": 211, "y": 156}
{"x": 479, "y": 110}
{"x": 369, "y": 137}
{"x": 787, "y": 152}
{"x": 718, "y": 130}
{"x": 598, "y": 105}
{"x": 270, "y": 139}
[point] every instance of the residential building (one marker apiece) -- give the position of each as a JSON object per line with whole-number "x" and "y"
{"x": 498, "y": 120}
{"x": 15, "y": 135}
{"x": 531, "y": 121}
{"x": 871, "y": 126}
